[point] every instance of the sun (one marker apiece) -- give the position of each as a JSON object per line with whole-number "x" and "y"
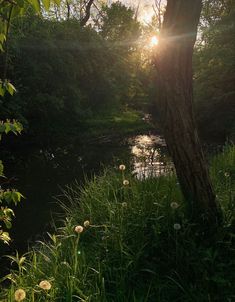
{"x": 154, "y": 41}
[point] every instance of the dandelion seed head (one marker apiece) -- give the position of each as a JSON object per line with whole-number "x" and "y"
{"x": 20, "y": 294}
{"x": 126, "y": 182}
{"x": 124, "y": 204}
{"x": 122, "y": 167}
{"x": 174, "y": 205}
{"x": 44, "y": 284}
{"x": 86, "y": 223}
{"x": 78, "y": 229}
{"x": 177, "y": 226}
{"x": 226, "y": 174}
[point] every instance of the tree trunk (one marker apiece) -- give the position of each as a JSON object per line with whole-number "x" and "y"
{"x": 84, "y": 19}
{"x": 175, "y": 103}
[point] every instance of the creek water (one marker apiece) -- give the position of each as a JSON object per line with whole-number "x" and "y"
{"x": 40, "y": 176}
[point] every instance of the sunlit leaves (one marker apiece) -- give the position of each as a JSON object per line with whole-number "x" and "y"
{"x": 4, "y": 236}
{"x": 2, "y": 89}
{"x": 6, "y": 86}
{"x": 6, "y": 214}
{"x": 10, "y": 196}
{"x": 57, "y": 2}
{"x": 8, "y": 11}
{"x": 46, "y": 4}
{"x": 10, "y": 126}
{"x": 10, "y": 88}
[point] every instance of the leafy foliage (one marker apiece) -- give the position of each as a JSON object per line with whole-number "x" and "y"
{"x": 214, "y": 74}
{"x": 7, "y": 197}
{"x": 93, "y": 72}
{"x": 8, "y": 11}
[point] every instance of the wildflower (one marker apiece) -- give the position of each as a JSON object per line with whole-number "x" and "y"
{"x": 226, "y": 174}
{"x": 78, "y": 229}
{"x": 122, "y": 167}
{"x": 46, "y": 285}
{"x": 174, "y": 205}
{"x": 177, "y": 226}
{"x": 124, "y": 204}
{"x": 86, "y": 223}
{"x": 125, "y": 182}
{"x": 20, "y": 294}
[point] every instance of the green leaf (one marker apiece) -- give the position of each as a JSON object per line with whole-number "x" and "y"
{"x": 2, "y": 37}
{"x": 9, "y": 212}
{"x": 8, "y": 224}
{"x": 7, "y": 195}
{"x": 7, "y": 127}
{"x": 2, "y": 90}
{"x": 16, "y": 197}
{"x": 21, "y": 3}
{"x": 35, "y": 4}
{"x": 4, "y": 236}
{"x": 57, "y": 2}
{"x": 18, "y": 127}
{"x": 46, "y": 4}
{"x": 10, "y": 88}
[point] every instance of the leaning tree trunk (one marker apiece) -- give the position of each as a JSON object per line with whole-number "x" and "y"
{"x": 175, "y": 103}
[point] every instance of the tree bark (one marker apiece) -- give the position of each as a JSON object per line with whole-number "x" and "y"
{"x": 174, "y": 101}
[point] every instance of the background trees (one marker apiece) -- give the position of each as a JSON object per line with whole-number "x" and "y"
{"x": 75, "y": 72}
{"x": 214, "y": 77}
{"x": 106, "y": 65}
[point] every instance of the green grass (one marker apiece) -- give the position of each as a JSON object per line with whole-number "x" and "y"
{"x": 131, "y": 250}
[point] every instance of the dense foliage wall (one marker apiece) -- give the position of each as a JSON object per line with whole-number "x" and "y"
{"x": 66, "y": 73}
{"x": 215, "y": 71}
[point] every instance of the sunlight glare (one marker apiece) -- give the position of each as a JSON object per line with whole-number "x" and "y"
{"x": 154, "y": 41}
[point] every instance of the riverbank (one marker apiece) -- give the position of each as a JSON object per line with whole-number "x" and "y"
{"x": 121, "y": 124}
{"x": 41, "y": 173}
{"x": 133, "y": 242}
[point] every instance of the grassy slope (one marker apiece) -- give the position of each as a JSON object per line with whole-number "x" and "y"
{"x": 131, "y": 251}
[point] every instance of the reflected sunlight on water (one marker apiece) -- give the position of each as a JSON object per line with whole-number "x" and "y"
{"x": 149, "y": 156}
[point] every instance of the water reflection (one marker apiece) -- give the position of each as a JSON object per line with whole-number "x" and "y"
{"x": 149, "y": 156}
